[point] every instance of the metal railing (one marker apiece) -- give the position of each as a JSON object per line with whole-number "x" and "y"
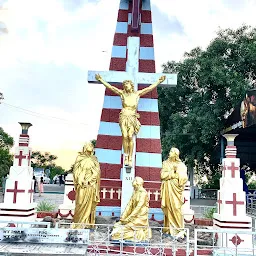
{"x": 101, "y": 243}
{"x": 202, "y": 242}
{"x": 251, "y": 204}
{"x": 160, "y": 243}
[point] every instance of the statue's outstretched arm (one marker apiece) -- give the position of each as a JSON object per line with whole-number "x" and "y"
{"x": 107, "y": 85}
{"x": 151, "y": 87}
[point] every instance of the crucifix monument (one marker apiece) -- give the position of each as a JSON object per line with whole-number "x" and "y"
{"x": 132, "y": 59}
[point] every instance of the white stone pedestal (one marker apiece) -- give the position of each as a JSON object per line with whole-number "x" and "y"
{"x": 66, "y": 210}
{"x": 231, "y": 215}
{"x": 18, "y": 202}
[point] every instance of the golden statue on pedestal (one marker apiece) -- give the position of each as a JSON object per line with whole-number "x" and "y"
{"x": 86, "y": 173}
{"x": 128, "y": 118}
{"x": 133, "y": 224}
{"x": 174, "y": 177}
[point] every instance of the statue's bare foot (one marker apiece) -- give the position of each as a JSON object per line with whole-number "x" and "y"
{"x": 130, "y": 163}
{"x": 126, "y": 160}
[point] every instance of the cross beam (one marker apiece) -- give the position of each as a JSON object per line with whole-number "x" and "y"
{"x": 142, "y": 78}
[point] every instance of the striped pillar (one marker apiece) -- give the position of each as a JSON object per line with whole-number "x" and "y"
{"x": 109, "y": 141}
{"x": 19, "y": 189}
{"x": 231, "y": 213}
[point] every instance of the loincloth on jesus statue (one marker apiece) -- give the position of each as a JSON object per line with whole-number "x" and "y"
{"x": 129, "y": 118}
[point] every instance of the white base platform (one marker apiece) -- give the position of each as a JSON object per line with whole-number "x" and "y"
{"x": 17, "y": 212}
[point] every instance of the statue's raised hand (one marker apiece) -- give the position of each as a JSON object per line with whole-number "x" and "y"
{"x": 98, "y": 77}
{"x": 162, "y": 78}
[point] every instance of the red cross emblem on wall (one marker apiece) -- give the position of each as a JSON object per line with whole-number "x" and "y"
{"x": 219, "y": 202}
{"x": 235, "y": 203}
{"x": 29, "y": 157}
{"x": 233, "y": 169}
{"x": 20, "y": 157}
{"x": 15, "y": 191}
{"x": 31, "y": 191}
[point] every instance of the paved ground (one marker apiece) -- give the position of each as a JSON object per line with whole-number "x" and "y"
{"x": 48, "y": 188}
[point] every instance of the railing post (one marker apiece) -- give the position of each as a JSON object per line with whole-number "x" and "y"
{"x": 187, "y": 245}
{"x": 195, "y": 242}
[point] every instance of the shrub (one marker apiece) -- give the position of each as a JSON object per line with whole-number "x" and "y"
{"x": 45, "y": 206}
{"x": 209, "y": 213}
{"x": 252, "y": 185}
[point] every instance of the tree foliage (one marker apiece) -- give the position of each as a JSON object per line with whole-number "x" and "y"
{"x": 210, "y": 83}
{"x": 6, "y": 141}
{"x": 6, "y": 158}
{"x": 93, "y": 142}
{"x": 57, "y": 170}
{"x": 43, "y": 160}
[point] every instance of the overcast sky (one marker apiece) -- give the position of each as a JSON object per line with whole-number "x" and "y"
{"x": 52, "y": 43}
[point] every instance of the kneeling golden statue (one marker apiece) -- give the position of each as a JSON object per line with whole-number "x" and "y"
{"x": 86, "y": 173}
{"x": 133, "y": 224}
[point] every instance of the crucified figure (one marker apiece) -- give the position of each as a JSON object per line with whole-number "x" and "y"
{"x": 128, "y": 117}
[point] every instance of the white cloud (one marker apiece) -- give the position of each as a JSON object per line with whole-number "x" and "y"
{"x": 200, "y": 21}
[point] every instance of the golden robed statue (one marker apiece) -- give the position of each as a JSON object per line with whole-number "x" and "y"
{"x": 133, "y": 224}
{"x": 128, "y": 117}
{"x": 86, "y": 173}
{"x": 174, "y": 177}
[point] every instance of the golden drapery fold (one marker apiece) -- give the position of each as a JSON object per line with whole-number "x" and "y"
{"x": 129, "y": 118}
{"x": 136, "y": 227}
{"x": 86, "y": 173}
{"x": 174, "y": 177}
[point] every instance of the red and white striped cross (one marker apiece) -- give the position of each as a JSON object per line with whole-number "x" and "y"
{"x": 219, "y": 202}
{"x": 20, "y": 157}
{"x": 31, "y": 191}
{"x": 235, "y": 203}
{"x": 15, "y": 191}
{"x": 233, "y": 169}
{"x": 135, "y": 15}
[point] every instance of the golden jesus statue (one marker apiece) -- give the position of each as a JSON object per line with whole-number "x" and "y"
{"x": 128, "y": 117}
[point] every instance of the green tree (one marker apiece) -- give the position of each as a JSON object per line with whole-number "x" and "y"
{"x": 43, "y": 160}
{"x": 210, "y": 83}
{"x": 6, "y": 141}
{"x": 57, "y": 170}
{"x": 93, "y": 142}
{"x": 6, "y": 158}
